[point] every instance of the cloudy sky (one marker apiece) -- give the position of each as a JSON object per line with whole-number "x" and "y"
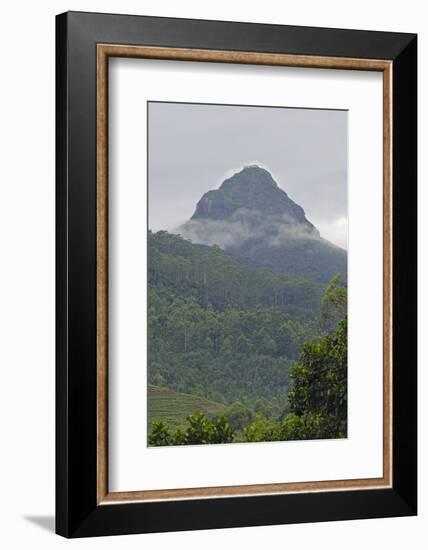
{"x": 193, "y": 148}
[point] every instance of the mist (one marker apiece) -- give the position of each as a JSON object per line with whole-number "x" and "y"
{"x": 244, "y": 226}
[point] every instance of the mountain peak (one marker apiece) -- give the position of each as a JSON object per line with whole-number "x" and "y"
{"x": 253, "y": 190}
{"x": 252, "y": 219}
{"x": 251, "y": 176}
{"x": 257, "y": 172}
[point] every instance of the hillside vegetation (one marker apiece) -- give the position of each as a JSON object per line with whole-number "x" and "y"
{"x": 221, "y": 331}
{"x": 173, "y": 408}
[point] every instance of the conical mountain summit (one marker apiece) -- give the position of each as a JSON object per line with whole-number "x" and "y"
{"x": 251, "y": 218}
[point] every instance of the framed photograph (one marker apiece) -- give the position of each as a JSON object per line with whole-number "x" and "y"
{"x": 236, "y": 274}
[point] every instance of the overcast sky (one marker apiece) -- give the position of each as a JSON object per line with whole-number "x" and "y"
{"x": 193, "y": 148}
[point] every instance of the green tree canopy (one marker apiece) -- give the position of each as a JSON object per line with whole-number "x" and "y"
{"x": 199, "y": 430}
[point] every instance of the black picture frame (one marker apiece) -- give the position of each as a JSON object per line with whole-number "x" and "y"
{"x": 77, "y": 511}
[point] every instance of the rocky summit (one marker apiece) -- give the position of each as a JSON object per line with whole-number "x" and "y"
{"x": 251, "y": 218}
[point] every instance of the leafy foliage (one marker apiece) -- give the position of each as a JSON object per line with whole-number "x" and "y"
{"x": 199, "y": 430}
{"x": 319, "y": 393}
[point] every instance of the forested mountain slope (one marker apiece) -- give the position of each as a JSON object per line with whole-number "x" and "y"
{"x": 223, "y": 331}
{"x": 216, "y": 279}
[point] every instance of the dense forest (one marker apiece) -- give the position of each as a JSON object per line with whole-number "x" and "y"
{"x": 221, "y": 330}
{"x": 317, "y": 405}
{"x": 179, "y": 268}
{"x": 266, "y": 351}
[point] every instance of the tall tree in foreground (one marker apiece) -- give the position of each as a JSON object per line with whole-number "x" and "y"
{"x": 319, "y": 393}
